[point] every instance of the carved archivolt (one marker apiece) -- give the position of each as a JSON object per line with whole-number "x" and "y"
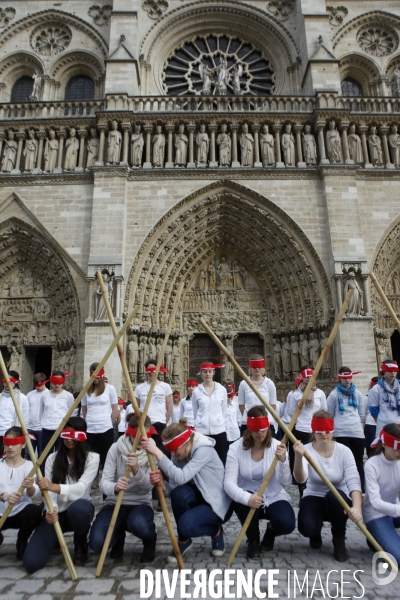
{"x": 373, "y": 18}
{"x": 377, "y": 39}
{"x": 361, "y": 68}
{"x": 17, "y": 64}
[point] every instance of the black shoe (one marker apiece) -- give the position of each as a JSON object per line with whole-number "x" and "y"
{"x": 149, "y": 552}
{"x": 268, "y": 539}
{"x": 21, "y": 547}
{"x": 253, "y": 548}
{"x": 80, "y": 549}
{"x": 339, "y": 548}
{"x": 117, "y": 551}
{"x": 316, "y": 542}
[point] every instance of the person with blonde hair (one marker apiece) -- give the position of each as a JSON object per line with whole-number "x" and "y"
{"x": 246, "y": 397}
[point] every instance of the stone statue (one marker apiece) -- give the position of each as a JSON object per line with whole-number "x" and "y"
{"x": 176, "y": 359}
{"x": 286, "y": 362}
{"x": 152, "y": 348}
{"x": 71, "y": 151}
{"x": 158, "y": 348}
{"x": 246, "y": 147}
{"x": 309, "y": 146}
{"x": 224, "y": 143}
{"x": 137, "y": 143}
{"x": 277, "y": 359}
{"x": 203, "y": 280}
{"x": 223, "y": 77}
{"x": 50, "y": 152}
{"x": 396, "y": 80}
{"x": 327, "y": 361}
{"x": 206, "y": 75}
{"x": 158, "y": 147}
{"x": 133, "y": 354}
{"x": 203, "y": 145}
{"x": 303, "y": 347}
{"x": 396, "y": 283}
{"x": 394, "y": 142}
{"x": 31, "y": 150}
{"x": 288, "y": 147}
{"x": 375, "y": 148}
{"x": 181, "y": 143}
{"x": 355, "y": 147}
{"x": 356, "y": 301}
{"x": 295, "y": 354}
{"x": 237, "y": 72}
{"x": 333, "y": 144}
{"x": 15, "y": 357}
{"x": 236, "y": 272}
{"x": 168, "y": 357}
{"x": 10, "y": 153}
{"x": 211, "y": 277}
{"x": 224, "y": 273}
{"x": 314, "y": 349}
{"x": 37, "y": 84}
{"x": 267, "y": 147}
{"x": 114, "y": 145}
{"x": 109, "y": 285}
{"x": 142, "y": 353}
{"x": 92, "y": 148}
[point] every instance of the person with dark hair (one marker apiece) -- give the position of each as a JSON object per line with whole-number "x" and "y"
{"x": 346, "y": 404}
{"x": 370, "y": 425}
{"x": 381, "y": 509}
{"x": 233, "y": 415}
{"x": 196, "y": 474}
{"x": 186, "y": 404}
{"x": 68, "y": 477}
{"x": 14, "y": 471}
{"x": 246, "y": 397}
{"x": 176, "y": 407}
{"x": 318, "y": 503}
{"x": 100, "y": 410}
{"x": 249, "y": 460}
{"x": 384, "y": 398}
{"x": 8, "y": 415}
{"x": 35, "y": 404}
{"x": 121, "y": 417}
{"x": 136, "y": 513}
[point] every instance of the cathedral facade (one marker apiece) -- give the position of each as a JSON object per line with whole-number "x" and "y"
{"x": 247, "y": 148}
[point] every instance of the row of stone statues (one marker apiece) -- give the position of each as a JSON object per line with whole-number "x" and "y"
{"x": 293, "y": 352}
{"x": 51, "y": 154}
{"x": 143, "y": 347}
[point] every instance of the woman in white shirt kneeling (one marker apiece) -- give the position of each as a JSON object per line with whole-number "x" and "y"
{"x": 249, "y": 459}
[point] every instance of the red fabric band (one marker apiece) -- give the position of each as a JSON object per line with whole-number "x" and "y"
{"x": 372, "y": 383}
{"x": 389, "y": 440}
{"x": 57, "y": 379}
{"x": 38, "y": 385}
{"x": 176, "y": 395}
{"x": 178, "y": 440}
{"x": 152, "y": 368}
{"x": 73, "y": 434}
{"x": 347, "y": 374}
{"x": 121, "y": 402}
{"x": 230, "y": 390}
{"x": 257, "y": 423}
{"x": 12, "y": 379}
{"x": 322, "y": 425}
{"x": 257, "y": 364}
{"x": 211, "y": 366}
{"x": 99, "y": 374}
{"x": 13, "y": 441}
{"x": 390, "y": 367}
{"x": 306, "y": 373}
{"x": 133, "y": 432}
{"x": 192, "y": 383}
{"x": 297, "y": 381}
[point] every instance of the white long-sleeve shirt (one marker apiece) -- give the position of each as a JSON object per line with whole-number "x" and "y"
{"x": 54, "y": 408}
{"x": 210, "y": 411}
{"x": 386, "y": 414}
{"x": 11, "y": 480}
{"x": 303, "y": 422}
{"x": 157, "y": 412}
{"x": 382, "y": 486}
{"x": 187, "y": 413}
{"x": 248, "y": 398}
{"x": 175, "y": 415}
{"x": 348, "y": 422}
{"x": 233, "y": 421}
{"x": 8, "y": 415}
{"x": 98, "y": 416}
{"x": 35, "y": 408}
{"x": 239, "y": 471}
{"x": 73, "y": 490}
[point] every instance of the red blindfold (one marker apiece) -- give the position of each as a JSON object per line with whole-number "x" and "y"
{"x": 13, "y": 441}
{"x": 133, "y": 432}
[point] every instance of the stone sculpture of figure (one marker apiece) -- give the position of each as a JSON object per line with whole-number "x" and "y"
{"x": 31, "y": 150}
{"x": 295, "y": 354}
{"x": 142, "y": 353}
{"x": 168, "y": 357}
{"x": 158, "y": 147}
{"x": 176, "y": 359}
{"x": 333, "y": 144}
{"x": 246, "y": 147}
{"x": 109, "y": 285}
{"x": 267, "y": 147}
{"x": 323, "y": 342}
{"x": 92, "y": 148}
{"x": 303, "y": 347}
{"x": 203, "y": 280}
{"x": 37, "y": 84}
{"x": 277, "y": 359}
{"x": 286, "y": 362}
{"x": 314, "y": 349}
{"x": 133, "y": 354}
{"x": 71, "y": 151}
{"x": 50, "y": 152}
{"x": 206, "y": 75}
{"x": 158, "y": 348}
{"x": 211, "y": 277}
{"x": 10, "y": 153}
{"x": 237, "y": 72}
{"x": 237, "y": 279}
{"x": 224, "y": 143}
{"x": 181, "y": 143}
{"x": 15, "y": 357}
{"x": 223, "y": 77}
{"x": 396, "y": 79}
{"x": 137, "y": 143}
{"x": 224, "y": 272}
{"x": 355, "y": 147}
{"x": 203, "y": 145}
{"x": 375, "y": 148}
{"x": 396, "y": 282}
{"x": 394, "y": 141}
{"x": 114, "y": 145}
{"x": 356, "y": 301}
{"x": 309, "y": 146}
{"x": 288, "y": 147}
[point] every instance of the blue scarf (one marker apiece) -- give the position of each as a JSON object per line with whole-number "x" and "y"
{"x": 391, "y": 395}
{"x": 350, "y": 392}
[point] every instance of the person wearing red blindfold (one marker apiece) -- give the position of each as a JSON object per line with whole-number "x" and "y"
{"x": 249, "y": 459}
{"x": 347, "y": 406}
{"x": 176, "y": 409}
{"x": 8, "y": 416}
{"x": 121, "y": 418}
{"x": 318, "y": 504}
{"x": 195, "y": 472}
{"x": 14, "y": 471}
{"x": 68, "y": 477}
{"x": 233, "y": 415}
{"x": 370, "y": 425}
{"x": 136, "y": 513}
{"x": 35, "y": 405}
{"x": 384, "y": 398}
{"x": 186, "y": 404}
{"x": 381, "y": 509}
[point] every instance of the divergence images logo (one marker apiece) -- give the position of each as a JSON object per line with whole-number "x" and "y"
{"x": 382, "y": 574}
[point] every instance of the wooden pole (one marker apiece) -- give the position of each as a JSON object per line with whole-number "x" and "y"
{"x": 385, "y": 300}
{"x": 291, "y": 437}
{"x": 142, "y": 434}
{"x": 55, "y": 435}
{"x": 292, "y": 423}
{"x": 45, "y": 493}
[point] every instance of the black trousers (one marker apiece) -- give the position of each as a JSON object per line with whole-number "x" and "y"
{"x": 26, "y": 520}
{"x": 314, "y": 510}
{"x": 221, "y": 445}
{"x": 101, "y": 443}
{"x": 356, "y": 445}
{"x": 303, "y": 437}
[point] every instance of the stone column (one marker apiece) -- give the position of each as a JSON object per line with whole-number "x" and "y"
{"x": 118, "y": 297}
{"x": 41, "y": 136}
{"x": 384, "y": 130}
{"x": 100, "y": 162}
{"x": 2, "y": 138}
{"x": 257, "y": 163}
{"x": 363, "y": 131}
{"x": 365, "y": 284}
{"x": 126, "y": 128}
{"x": 300, "y": 164}
{"x": 277, "y": 130}
{"x": 169, "y": 164}
{"x": 90, "y": 298}
{"x": 345, "y": 144}
{"x": 82, "y": 136}
{"x": 212, "y": 129}
{"x": 320, "y": 126}
{"x": 339, "y": 291}
{"x": 20, "y": 135}
{"x": 61, "y": 137}
{"x": 234, "y": 128}
{"x": 191, "y": 127}
{"x": 148, "y": 129}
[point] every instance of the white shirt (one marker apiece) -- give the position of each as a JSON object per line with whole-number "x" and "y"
{"x": 8, "y": 415}
{"x": 11, "y": 480}
{"x": 248, "y": 398}
{"x": 176, "y": 414}
{"x": 35, "y": 406}
{"x": 73, "y": 490}
{"x": 187, "y": 411}
{"x": 158, "y": 405}
{"x": 54, "y": 408}
{"x": 98, "y": 416}
{"x": 233, "y": 420}
{"x": 348, "y": 422}
{"x": 369, "y": 419}
{"x": 382, "y": 486}
{"x": 122, "y": 425}
{"x": 210, "y": 411}
{"x": 386, "y": 414}
{"x": 303, "y": 422}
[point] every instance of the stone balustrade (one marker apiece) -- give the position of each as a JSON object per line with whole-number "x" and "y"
{"x": 50, "y": 110}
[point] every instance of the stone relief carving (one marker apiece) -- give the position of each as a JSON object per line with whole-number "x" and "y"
{"x": 337, "y": 14}
{"x": 158, "y": 147}
{"x": 137, "y": 144}
{"x": 6, "y": 15}
{"x": 155, "y": 8}
{"x": 375, "y": 148}
{"x": 100, "y": 14}
{"x": 50, "y": 38}
{"x": 114, "y": 145}
{"x": 333, "y": 144}
{"x": 281, "y": 9}
{"x": 378, "y": 40}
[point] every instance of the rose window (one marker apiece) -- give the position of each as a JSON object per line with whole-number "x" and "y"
{"x": 218, "y": 65}
{"x": 50, "y": 39}
{"x": 378, "y": 41}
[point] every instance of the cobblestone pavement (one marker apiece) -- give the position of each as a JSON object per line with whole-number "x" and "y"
{"x": 120, "y": 578}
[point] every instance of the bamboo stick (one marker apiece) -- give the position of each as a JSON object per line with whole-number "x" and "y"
{"x": 292, "y": 423}
{"x": 142, "y": 434}
{"x": 45, "y": 493}
{"x": 385, "y": 300}
{"x": 85, "y": 388}
{"x": 291, "y": 437}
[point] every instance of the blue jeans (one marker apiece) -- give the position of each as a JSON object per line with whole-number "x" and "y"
{"x": 193, "y": 516}
{"x": 76, "y": 518}
{"x": 314, "y": 510}
{"x": 280, "y": 514}
{"x": 138, "y": 520}
{"x": 35, "y": 443}
{"x": 384, "y": 531}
